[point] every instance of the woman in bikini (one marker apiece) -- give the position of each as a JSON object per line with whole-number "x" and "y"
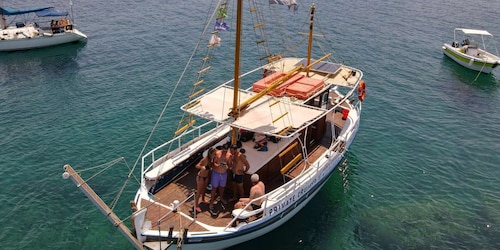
{"x": 203, "y": 177}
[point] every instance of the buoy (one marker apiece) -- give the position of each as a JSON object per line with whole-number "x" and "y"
{"x": 361, "y": 90}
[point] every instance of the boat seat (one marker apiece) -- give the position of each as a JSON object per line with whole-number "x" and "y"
{"x": 472, "y": 51}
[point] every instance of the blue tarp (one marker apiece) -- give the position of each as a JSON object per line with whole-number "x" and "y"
{"x": 51, "y": 12}
{"x": 10, "y": 12}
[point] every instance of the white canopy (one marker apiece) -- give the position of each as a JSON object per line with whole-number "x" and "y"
{"x": 474, "y": 32}
{"x": 259, "y": 116}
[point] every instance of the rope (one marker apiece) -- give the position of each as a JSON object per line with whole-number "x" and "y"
{"x": 113, "y": 162}
{"x": 479, "y": 73}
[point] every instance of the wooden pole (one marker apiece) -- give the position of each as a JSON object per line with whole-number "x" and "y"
{"x": 99, "y": 203}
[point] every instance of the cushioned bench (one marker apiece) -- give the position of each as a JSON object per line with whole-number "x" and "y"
{"x": 278, "y": 91}
{"x": 304, "y": 88}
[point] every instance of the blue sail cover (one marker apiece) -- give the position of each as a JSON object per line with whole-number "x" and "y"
{"x": 51, "y": 12}
{"x": 11, "y": 12}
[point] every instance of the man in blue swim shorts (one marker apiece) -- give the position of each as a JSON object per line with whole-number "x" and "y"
{"x": 219, "y": 174}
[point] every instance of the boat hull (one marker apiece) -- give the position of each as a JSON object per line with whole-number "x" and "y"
{"x": 470, "y": 62}
{"x": 41, "y": 41}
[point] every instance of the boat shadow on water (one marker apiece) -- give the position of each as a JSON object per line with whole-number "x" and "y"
{"x": 486, "y": 82}
{"x": 39, "y": 61}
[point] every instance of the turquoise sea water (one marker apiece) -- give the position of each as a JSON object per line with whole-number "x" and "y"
{"x": 422, "y": 173}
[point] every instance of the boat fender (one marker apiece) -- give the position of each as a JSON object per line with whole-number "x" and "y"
{"x": 264, "y": 73}
{"x": 471, "y": 61}
{"x": 361, "y": 90}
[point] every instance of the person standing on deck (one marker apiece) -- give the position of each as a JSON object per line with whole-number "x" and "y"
{"x": 202, "y": 178}
{"x": 240, "y": 167}
{"x": 219, "y": 174}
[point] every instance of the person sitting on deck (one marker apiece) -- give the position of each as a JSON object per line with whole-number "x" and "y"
{"x": 257, "y": 190}
{"x": 218, "y": 180}
{"x": 239, "y": 167}
{"x": 202, "y": 178}
{"x": 260, "y": 142}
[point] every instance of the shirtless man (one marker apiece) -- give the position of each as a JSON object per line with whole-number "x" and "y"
{"x": 240, "y": 167}
{"x": 258, "y": 189}
{"x": 218, "y": 181}
{"x": 202, "y": 178}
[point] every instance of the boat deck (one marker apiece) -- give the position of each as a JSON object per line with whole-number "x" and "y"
{"x": 184, "y": 187}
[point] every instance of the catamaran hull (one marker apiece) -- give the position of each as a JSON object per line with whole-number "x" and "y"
{"x": 44, "y": 40}
{"x": 473, "y": 63}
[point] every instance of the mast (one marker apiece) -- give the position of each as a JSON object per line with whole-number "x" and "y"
{"x": 237, "y": 52}
{"x": 309, "y": 44}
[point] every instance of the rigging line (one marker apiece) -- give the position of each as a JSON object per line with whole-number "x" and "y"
{"x": 317, "y": 23}
{"x": 209, "y": 54}
{"x": 99, "y": 166}
{"x": 172, "y": 93}
{"x": 98, "y": 173}
{"x": 118, "y": 195}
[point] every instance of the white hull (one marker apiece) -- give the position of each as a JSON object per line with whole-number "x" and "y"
{"x": 39, "y": 40}
{"x": 470, "y": 62}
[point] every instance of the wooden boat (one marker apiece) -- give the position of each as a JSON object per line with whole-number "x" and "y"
{"x": 309, "y": 110}
{"x": 471, "y": 54}
{"x": 52, "y": 27}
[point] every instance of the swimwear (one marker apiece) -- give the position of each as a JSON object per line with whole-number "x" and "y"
{"x": 238, "y": 178}
{"x": 204, "y": 178}
{"x": 218, "y": 179}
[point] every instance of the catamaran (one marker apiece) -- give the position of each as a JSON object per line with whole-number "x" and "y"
{"x": 309, "y": 110}
{"x": 52, "y": 27}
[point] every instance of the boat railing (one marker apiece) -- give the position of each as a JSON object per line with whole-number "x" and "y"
{"x": 245, "y": 212}
{"x": 275, "y": 197}
{"x": 178, "y": 143}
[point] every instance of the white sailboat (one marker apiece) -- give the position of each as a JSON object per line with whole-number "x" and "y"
{"x": 52, "y": 27}
{"x": 308, "y": 109}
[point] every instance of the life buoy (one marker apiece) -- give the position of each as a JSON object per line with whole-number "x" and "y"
{"x": 361, "y": 90}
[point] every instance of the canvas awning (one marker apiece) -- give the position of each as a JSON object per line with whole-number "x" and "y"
{"x": 51, "y": 12}
{"x": 474, "y": 32}
{"x": 10, "y": 12}
{"x": 259, "y": 116}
